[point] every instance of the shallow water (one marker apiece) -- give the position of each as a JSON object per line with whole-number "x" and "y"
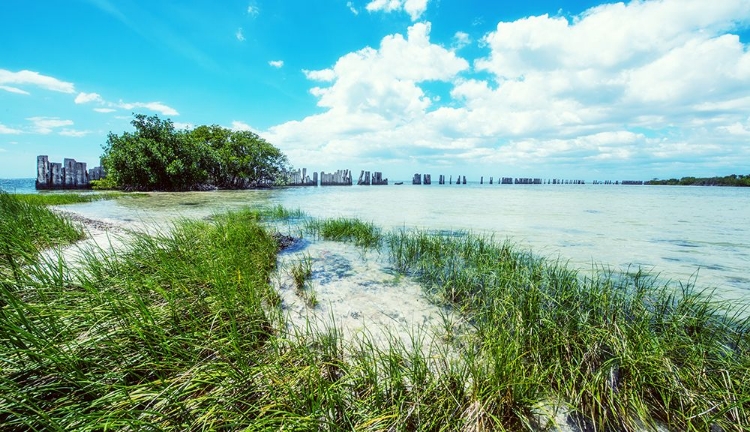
{"x": 677, "y": 232}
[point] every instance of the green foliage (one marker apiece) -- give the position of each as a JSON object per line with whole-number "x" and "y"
{"x": 730, "y": 180}
{"x": 241, "y": 158}
{"x": 158, "y": 157}
{"x": 27, "y": 227}
{"x": 106, "y": 183}
{"x": 55, "y": 198}
{"x": 364, "y": 234}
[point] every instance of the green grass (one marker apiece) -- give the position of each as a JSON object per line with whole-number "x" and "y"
{"x": 64, "y": 198}
{"x": 620, "y": 350}
{"x": 25, "y": 228}
{"x": 183, "y": 331}
{"x": 364, "y": 234}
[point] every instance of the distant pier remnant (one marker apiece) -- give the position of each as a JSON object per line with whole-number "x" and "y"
{"x": 417, "y": 179}
{"x": 490, "y": 179}
{"x": 364, "y": 178}
{"x": 300, "y": 178}
{"x": 339, "y": 178}
{"x": 507, "y": 180}
{"x": 67, "y": 175}
{"x": 464, "y": 180}
{"x": 441, "y": 179}
{"x": 632, "y": 182}
{"x": 378, "y": 180}
{"x": 426, "y": 179}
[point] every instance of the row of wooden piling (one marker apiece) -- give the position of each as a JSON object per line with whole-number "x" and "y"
{"x": 69, "y": 174}
{"x": 342, "y": 177}
{"x": 366, "y": 178}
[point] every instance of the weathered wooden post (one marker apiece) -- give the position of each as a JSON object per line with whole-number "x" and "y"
{"x": 490, "y": 179}
{"x": 426, "y": 179}
{"x": 464, "y": 180}
{"x": 42, "y": 172}
{"x": 417, "y": 179}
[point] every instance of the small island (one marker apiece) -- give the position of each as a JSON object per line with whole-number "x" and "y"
{"x": 157, "y": 157}
{"x": 730, "y": 180}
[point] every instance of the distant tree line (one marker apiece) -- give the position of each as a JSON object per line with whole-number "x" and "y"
{"x": 730, "y": 180}
{"x": 158, "y": 157}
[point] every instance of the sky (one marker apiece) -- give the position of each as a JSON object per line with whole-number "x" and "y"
{"x": 553, "y": 89}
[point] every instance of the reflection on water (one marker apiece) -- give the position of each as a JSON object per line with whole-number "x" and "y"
{"x": 674, "y": 231}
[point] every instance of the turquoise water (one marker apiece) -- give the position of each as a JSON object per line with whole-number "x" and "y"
{"x": 680, "y": 233}
{"x": 18, "y": 185}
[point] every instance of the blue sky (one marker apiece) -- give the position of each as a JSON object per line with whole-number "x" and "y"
{"x": 567, "y": 89}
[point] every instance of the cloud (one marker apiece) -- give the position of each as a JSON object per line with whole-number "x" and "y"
{"x": 240, "y": 37}
{"x": 415, "y": 8}
{"x": 105, "y": 110}
{"x": 351, "y": 7}
{"x": 45, "y": 125}
{"x": 151, "y": 106}
{"x": 182, "y": 126}
{"x": 242, "y": 126}
{"x": 83, "y": 98}
{"x": 13, "y": 90}
{"x": 461, "y": 39}
{"x": 253, "y": 10}
{"x": 34, "y": 78}
{"x": 276, "y": 63}
{"x": 5, "y": 130}
{"x": 385, "y": 81}
{"x": 73, "y": 133}
{"x": 636, "y": 86}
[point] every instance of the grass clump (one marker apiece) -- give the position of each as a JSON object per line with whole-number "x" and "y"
{"x": 53, "y": 199}
{"x": 619, "y": 351}
{"x": 158, "y": 336}
{"x": 279, "y": 212}
{"x": 364, "y": 234}
{"x": 26, "y": 228}
{"x": 301, "y": 273}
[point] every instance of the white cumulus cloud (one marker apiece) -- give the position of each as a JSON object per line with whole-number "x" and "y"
{"x": 415, "y": 8}
{"x": 8, "y": 130}
{"x": 240, "y": 126}
{"x": 74, "y": 133}
{"x": 239, "y": 35}
{"x": 151, "y": 106}
{"x": 27, "y": 77}
{"x": 276, "y": 63}
{"x": 83, "y": 98}
{"x": 45, "y": 125}
{"x": 13, "y": 90}
{"x": 646, "y": 84}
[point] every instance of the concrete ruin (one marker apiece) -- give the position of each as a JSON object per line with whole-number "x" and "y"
{"x": 69, "y": 174}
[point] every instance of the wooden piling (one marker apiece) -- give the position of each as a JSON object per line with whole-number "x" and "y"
{"x": 67, "y": 175}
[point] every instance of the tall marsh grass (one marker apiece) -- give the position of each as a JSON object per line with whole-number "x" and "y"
{"x": 25, "y": 228}
{"x": 620, "y": 351}
{"x": 182, "y": 331}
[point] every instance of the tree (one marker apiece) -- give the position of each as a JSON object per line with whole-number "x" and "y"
{"x": 156, "y": 157}
{"x": 242, "y": 158}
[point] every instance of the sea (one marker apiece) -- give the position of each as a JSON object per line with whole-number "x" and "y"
{"x": 682, "y": 234}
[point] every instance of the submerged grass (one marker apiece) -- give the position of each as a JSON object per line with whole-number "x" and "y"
{"x": 182, "y": 331}
{"x": 71, "y": 198}
{"x": 364, "y": 234}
